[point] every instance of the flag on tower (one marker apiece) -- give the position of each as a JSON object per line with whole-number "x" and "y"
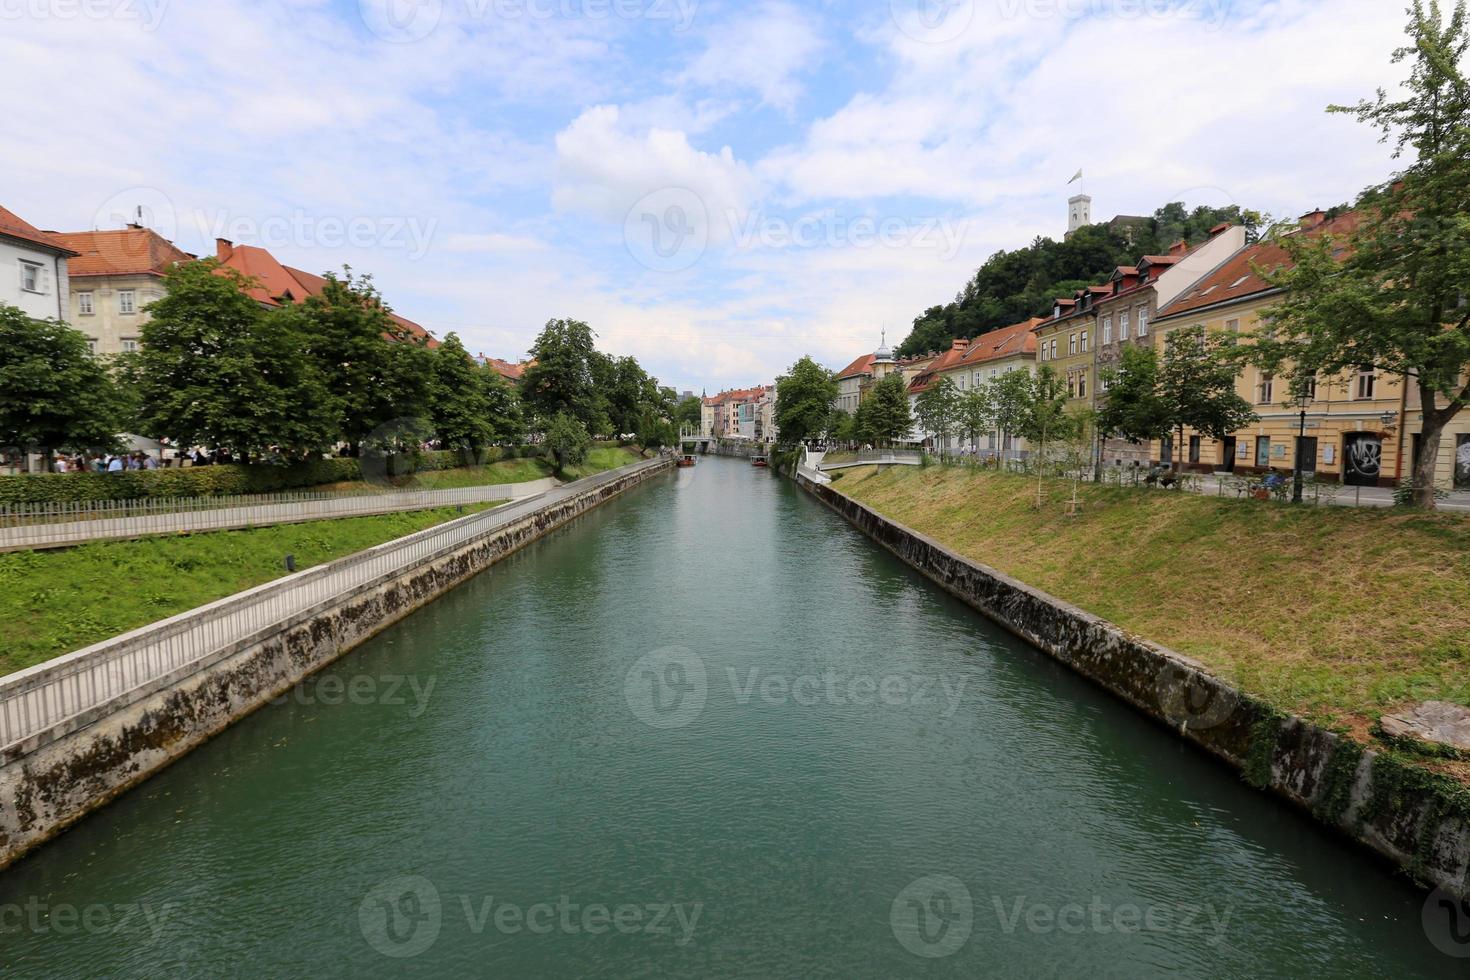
{"x": 1076, "y": 178}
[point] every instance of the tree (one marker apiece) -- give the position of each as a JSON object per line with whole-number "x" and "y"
{"x": 841, "y": 427}
{"x": 689, "y": 412}
{"x": 884, "y": 414}
{"x": 1197, "y": 385}
{"x": 464, "y": 402}
{"x": 804, "y": 397}
{"x": 1010, "y": 399}
{"x": 53, "y": 393}
{"x": 1133, "y": 408}
{"x": 560, "y": 382}
{"x": 215, "y": 369}
{"x": 1396, "y": 299}
{"x": 568, "y": 440}
{"x": 938, "y": 408}
{"x": 976, "y": 412}
{"x": 374, "y": 367}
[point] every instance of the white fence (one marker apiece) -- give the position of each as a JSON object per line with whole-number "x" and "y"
{"x": 116, "y": 671}
{"x": 73, "y": 522}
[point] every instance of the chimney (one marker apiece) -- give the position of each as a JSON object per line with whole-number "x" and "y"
{"x": 1179, "y": 247}
{"x": 1314, "y": 219}
{"x": 960, "y": 344}
{"x": 223, "y": 249}
{"x": 1220, "y": 229}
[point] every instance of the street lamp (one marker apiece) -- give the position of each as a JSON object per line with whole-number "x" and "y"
{"x": 1304, "y": 398}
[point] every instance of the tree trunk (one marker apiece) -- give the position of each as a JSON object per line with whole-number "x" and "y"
{"x": 1435, "y": 420}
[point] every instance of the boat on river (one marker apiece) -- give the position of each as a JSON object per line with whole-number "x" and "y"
{"x": 685, "y": 460}
{"x": 759, "y": 461}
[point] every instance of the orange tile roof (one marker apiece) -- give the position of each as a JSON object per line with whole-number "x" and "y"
{"x": 507, "y": 370}
{"x": 281, "y": 282}
{"x": 1018, "y": 338}
{"x": 1237, "y": 279}
{"x": 863, "y": 365}
{"x": 127, "y": 251}
{"x": 14, "y": 226}
{"x": 949, "y": 359}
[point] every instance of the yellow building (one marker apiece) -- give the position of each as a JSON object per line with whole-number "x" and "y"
{"x": 1351, "y": 428}
{"x": 1067, "y": 343}
{"x": 114, "y": 278}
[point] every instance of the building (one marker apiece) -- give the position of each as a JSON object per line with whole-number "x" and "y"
{"x": 938, "y": 367}
{"x": 34, "y": 272}
{"x": 1124, "y": 316}
{"x": 988, "y": 357}
{"x": 850, "y": 383}
{"x": 1355, "y": 424}
{"x": 278, "y": 284}
{"x": 1067, "y": 344}
{"x": 115, "y": 276}
{"x": 1079, "y": 213}
{"x": 511, "y": 372}
{"x": 744, "y": 413}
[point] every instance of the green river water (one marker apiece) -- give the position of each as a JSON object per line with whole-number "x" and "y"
{"x": 707, "y": 730}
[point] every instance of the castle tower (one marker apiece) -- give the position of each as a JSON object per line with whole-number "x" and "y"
{"x": 1079, "y": 213}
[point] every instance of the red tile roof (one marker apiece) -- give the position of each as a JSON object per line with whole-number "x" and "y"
{"x": 128, "y": 251}
{"x": 279, "y": 282}
{"x": 1005, "y": 342}
{"x": 14, "y": 226}
{"x": 863, "y": 365}
{"x": 949, "y": 359}
{"x": 1237, "y": 279}
{"x": 507, "y": 370}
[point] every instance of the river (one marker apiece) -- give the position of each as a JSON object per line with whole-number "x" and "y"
{"x": 707, "y": 730}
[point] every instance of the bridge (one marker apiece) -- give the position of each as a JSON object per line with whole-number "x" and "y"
{"x": 689, "y": 435}
{"x": 876, "y": 457}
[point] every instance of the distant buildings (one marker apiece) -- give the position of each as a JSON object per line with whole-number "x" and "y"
{"x": 747, "y": 414}
{"x": 114, "y": 277}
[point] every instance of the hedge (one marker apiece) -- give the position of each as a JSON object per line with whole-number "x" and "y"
{"x": 214, "y": 481}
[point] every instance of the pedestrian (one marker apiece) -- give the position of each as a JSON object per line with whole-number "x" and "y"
{"x": 114, "y": 464}
{"x": 149, "y": 463}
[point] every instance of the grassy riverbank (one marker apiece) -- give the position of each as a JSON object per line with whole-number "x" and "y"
{"x": 1336, "y": 614}
{"x": 53, "y": 602}
{"x": 520, "y": 470}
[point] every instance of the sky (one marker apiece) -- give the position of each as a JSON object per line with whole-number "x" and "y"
{"x": 717, "y": 187}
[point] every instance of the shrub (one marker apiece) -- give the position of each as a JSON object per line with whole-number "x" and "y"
{"x": 199, "y": 481}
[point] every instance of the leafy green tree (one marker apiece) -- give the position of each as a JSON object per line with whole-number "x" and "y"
{"x": 467, "y": 402}
{"x": 976, "y": 412}
{"x": 373, "y": 367}
{"x": 54, "y": 395}
{"x": 1391, "y": 294}
{"x": 560, "y": 382}
{"x": 804, "y": 397}
{"x": 568, "y": 440}
{"x": 215, "y": 369}
{"x": 885, "y": 414}
{"x": 689, "y": 412}
{"x": 938, "y": 409}
{"x": 1043, "y": 414}
{"x": 1197, "y": 385}
{"x": 1010, "y": 402}
{"x": 1133, "y": 407}
{"x": 841, "y": 427}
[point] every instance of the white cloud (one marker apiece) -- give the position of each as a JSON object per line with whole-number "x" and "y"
{"x": 762, "y": 49}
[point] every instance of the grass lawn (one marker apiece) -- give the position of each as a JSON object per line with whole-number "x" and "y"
{"x": 1334, "y": 613}
{"x": 521, "y": 470}
{"x": 602, "y": 458}
{"x": 53, "y": 602}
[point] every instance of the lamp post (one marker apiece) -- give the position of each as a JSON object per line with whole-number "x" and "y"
{"x": 1303, "y": 399}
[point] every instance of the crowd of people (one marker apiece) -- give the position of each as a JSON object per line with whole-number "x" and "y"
{"x": 121, "y": 462}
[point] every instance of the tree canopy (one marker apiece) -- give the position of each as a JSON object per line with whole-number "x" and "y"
{"x": 804, "y": 397}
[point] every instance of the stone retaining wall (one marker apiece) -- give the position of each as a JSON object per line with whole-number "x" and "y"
{"x": 1418, "y": 821}
{"x": 62, "y": 780}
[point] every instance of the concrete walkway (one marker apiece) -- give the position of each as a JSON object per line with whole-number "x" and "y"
{"x": 34, "y": 537}
{"x": 1458, "y": 501}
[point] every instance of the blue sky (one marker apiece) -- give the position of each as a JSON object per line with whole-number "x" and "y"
{"x": 717, "y": 187}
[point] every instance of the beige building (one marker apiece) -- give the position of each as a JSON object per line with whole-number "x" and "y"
{"x": 1356, "y": 427}
{"x": 114, "y": 278}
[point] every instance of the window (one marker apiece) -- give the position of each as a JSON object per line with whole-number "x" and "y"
{"x": 1072, "y": 344}
{"x": 129, "y": 344}
{"x": 84, "y": 304}
{"x": 1309, "y": 388}
{"x": 1082, "y": 384}
{"x": 1367, "y": 382}
{"x": 1071, "y": 384}
{"x": 1233, "y": 326}
{"x": 1265, "y": 391}
{"x": 30, "y": 277}
{"x": 1123, "y": 326}
{"x": 1194, "y": 449}
{"x": 127, "y": 302}
{"x": 1044, "y": 351}
{"x": 1085, "y": 345}
{"x": 1143, "y": 321}
{"x": 1107, "y": 330}
{"x": 1054, "y": 343}
{"x": 91, "y": 346}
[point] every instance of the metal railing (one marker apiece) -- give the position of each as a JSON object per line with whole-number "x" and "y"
{"x": 117, "y": 671}
{"x": 61, "y": 523}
